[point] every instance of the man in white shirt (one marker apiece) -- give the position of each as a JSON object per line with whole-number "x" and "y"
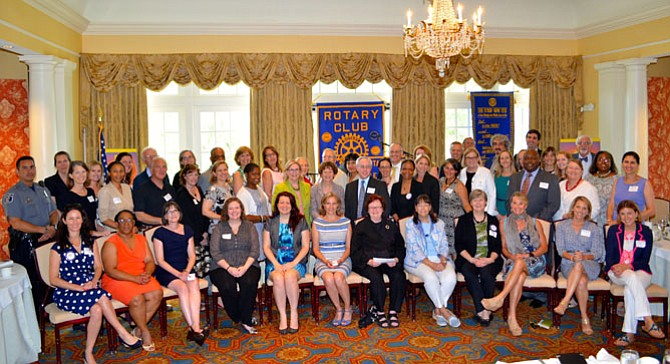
{"x": 396, "y": 153}
{"x": 584, "y": 153}
{"x": 328, "y": 155}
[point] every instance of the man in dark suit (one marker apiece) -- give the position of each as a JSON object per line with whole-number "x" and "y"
{"x": 544, "y": 195}
{"x": 357, "y": 192}
{"x": 584, "y": 153}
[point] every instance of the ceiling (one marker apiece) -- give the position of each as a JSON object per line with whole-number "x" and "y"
{"x": 562, "y": 19}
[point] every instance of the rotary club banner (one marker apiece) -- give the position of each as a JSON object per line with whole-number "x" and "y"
{"x": 492, "y": 113}
{"x": 351, "y": 127}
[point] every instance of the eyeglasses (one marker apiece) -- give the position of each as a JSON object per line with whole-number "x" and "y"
{"x": 293, "y": 170}
{"x": 124, "y": 221}
{"x": 172, "y": 212}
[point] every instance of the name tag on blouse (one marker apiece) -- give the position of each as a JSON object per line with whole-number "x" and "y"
{"x": 585, "y": 233}
{"x": 641, "y": 244}
{"x": 88, "y": 251}
{"x": 195, "y": 202}
{"x": 167, "y": 197}
{"x": 493, "y": 233}
{"x": 544, "y": 185}
{"x": 371, "y": 190}
{"x": 450, "y": 190}
{"x": 226, "y": 236}
{"x": 91, "y": 199}
{"x": 632, "y": 188}
{"x": 116, "y": 200}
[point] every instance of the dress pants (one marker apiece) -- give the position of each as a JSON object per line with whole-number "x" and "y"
{"x": 439, "y": 285}
{"x": 238, "y": 304}
{"x": 481, "y": 282}
{"x": 635, "y": 299}
{"x": 397, "y": 282}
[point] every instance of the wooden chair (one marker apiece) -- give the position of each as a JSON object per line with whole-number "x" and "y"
{"x": 259, "y": 300}
{"x": 57, "y": 317}
{"x": 355, "y": 282}
{"x": 169, "y": 294}
{"x": 414, "y": 282}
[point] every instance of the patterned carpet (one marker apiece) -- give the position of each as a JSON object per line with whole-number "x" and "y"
{"x": 414, "y": 342}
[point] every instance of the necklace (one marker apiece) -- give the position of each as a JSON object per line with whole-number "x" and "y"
{"x": 567, "y": 187}
{"x": 600, "y": 175}
{"x": 476, "y": 221}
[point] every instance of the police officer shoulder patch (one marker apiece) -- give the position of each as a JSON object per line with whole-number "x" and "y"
{"x": 9, "y": 198}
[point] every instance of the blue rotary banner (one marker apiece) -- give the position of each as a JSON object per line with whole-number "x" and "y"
{"x": 492, "y": 113}
{"x": 351, "y": 127}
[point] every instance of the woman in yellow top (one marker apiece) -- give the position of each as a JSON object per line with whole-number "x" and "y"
{"x": 295, "y": 185}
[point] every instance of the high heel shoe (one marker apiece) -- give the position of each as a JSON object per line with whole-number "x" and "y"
{"x": 345, "y": 321}
{"x": 134, "y": 346}
{"x": 196, "y": 337}
{"x": 492, "y": 304}
{"x": 337, "y": 321}
{"x": 562, "y": 306}
{"x": 514, "y": 328}
{"x": 586, "y": 326}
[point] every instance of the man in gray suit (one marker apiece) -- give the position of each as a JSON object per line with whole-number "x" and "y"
{"x": 544, "y": 195}
{"x": 357, "y": 191}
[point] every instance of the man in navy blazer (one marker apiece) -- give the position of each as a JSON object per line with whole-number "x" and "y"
{"x": 584, "y": 153}
{"x": 544, "y": 195}
{"x": 371, "y": 185}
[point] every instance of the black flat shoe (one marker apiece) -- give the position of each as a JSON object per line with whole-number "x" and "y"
{"x": 136, "y": 345}
{"x": 292, "y": 330}
{"x": 283, "y": 331}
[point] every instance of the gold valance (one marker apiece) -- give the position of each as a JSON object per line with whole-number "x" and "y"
{"x": 207, "y": 71}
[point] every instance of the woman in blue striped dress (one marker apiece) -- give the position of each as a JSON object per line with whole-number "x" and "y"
{"x": 331, "y": 237}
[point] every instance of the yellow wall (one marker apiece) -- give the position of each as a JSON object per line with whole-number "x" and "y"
{"x": 33, "y": 30}
{"x": 11, "y": 68}
{"x": 660, "y": 68}
{"x": 642, "y": 40}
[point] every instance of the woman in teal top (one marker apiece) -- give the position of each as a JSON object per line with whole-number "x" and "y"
{"x": 503, "y": 170}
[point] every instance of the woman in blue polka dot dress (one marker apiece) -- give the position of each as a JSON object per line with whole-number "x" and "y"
{"x": 75, "y": 269}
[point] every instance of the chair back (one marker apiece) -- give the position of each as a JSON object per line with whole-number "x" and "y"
{"x": 42, "y": 256}
{"x": 149, "y": 234}
{"x": 547, "y": 228}
{"x": 402, "y": 225}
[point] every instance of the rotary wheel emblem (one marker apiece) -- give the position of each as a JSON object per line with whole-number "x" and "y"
{"x": 350, "y": 143}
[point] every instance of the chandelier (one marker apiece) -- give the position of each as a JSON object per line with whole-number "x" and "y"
{"x": 444, "y": 34}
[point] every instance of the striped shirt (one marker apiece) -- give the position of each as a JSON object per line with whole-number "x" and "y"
{"x": 332, "y": 236}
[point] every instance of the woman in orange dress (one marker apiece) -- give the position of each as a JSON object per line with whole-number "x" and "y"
{"x": 129, "y": 266}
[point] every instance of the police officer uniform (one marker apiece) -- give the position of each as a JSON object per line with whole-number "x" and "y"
{"x": 33, "y": 205}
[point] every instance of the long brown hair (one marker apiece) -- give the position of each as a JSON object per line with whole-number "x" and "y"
{"x": 295, "y": 215}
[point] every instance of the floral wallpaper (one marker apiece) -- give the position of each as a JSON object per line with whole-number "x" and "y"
{"x": 658, "y": 89}
{"x": 13, "y": 142}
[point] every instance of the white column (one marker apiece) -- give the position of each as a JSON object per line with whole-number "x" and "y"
{"x": 64, "y": 113}
{"x": 42, "y": 110}
{"x": 637, "y": 109}
{"x": 611, "y": 107}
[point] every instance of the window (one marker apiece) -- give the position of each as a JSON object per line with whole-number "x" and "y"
{"x": 186, "y": 117}
{"x": 458, "y": 120}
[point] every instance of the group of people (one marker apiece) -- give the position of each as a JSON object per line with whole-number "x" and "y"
{"x": 461, "y": 217}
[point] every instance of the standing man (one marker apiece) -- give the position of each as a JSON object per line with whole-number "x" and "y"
{"x": 533, "y": 138}
{"x": 396, "y": 153}
{"x": 357, "y": 191}
{"x": 32, "y": 217}
{"x": 499, "y": 142}
{"x": 148, "y": 154}
{"x": 150, "y": 197}
{"x": 456, "y": 151}
{"x": 216, "y": 154}
{"x": 544, "y": 195}
{"x": 584, "y": 153}
{"x": 468, "y": 143}
{"x": 57, "y": 184}
{"x": 328, "y": 155}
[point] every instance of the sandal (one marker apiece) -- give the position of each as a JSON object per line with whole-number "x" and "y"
{"x": 382, "y": 321}
{"x": 560, "y": 309}
{"x": 586, "y": 326}
{"x": 346, "y": 321}
{"x": 150, "y": 347}
{"x": 514, "y": 328}
{"x": 337, "y": 321}
{"x": 249, "y": 329}
{"x": 653, "y": 332}
{"x": 393, "y": 318}
{"x": 623, "y": 341}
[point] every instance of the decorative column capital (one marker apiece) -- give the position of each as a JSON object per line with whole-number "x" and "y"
{"x": 38, "y": 59}
{"x": 637, "y": 63}
{"x": 609, "y": 67}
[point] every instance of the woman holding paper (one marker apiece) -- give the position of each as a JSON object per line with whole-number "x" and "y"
{"x": 579, "y": 241}
{"x": 377, "y": 248}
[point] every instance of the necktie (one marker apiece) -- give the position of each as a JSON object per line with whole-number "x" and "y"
{"x": 393, "y": 173}
{"x": 361, "y": 198}
{"x": 526, "y": 184}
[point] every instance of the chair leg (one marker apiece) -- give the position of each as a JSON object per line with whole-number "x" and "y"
{"x": 315, "y": 305}
{"x": 456, "y": 297}
{"x": 215, "y": 308}
{"x": 360, "y": 299}
{"x": 162, "y": 318}
{"x": 58, "y": 348}
{"x": 665, "y": 316}
{"x": 268, "y": 302}
{"x": 259, "y": 299}
{"x": 207, "y": 306}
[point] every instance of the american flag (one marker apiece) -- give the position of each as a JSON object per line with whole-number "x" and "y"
{"x": 103, "y": 150}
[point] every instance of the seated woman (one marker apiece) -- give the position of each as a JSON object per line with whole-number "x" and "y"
{"x": 286, "y": 244}
{"x": 524, "y": 245}
{"x": 628, "y": 249}
{"x": 331, "y": 242}
{"x": 579, "y": 241}
{"x": 75, "y": 270}
{"x": 175, "y": 253}
{"x": 235, "y": 250}
{"x": 376, "y": 237}
{"x": 428, "y": 257}
{"x": 479, "y": 253}
{"x": 129, "y": 265}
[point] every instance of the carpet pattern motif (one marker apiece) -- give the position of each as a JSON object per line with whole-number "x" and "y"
{"x": 413, "y": 342}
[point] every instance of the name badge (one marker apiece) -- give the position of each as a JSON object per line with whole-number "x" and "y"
{"x": 88, "y": 251}
{"x": 507, "y": 182}
{"x": 585, "y": 233}
{"x": 226, "y": 236}
{"x": 632, "y": 188}
{"x": 371, "y": 190}
{"x": 641, "y": 244}
{"x": 493, "y": 233}
{"x": 544, "y": 185}
{"x": 450, "y": 190}
{"x": 45, "y": 193}
{"x": 116, "y": 200}
{"x": 167, "y": 197}
{"x": 91, "y": 199}
{"x": 195, "y": 202}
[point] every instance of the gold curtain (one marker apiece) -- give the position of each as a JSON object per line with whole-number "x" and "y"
{"x": 281, "y": 116}
{"x": 418, "y": 118}
{"x": 554, "y": 112}
{"x": 123, "y": 110}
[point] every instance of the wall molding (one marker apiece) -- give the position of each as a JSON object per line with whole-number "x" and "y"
{"x": 62, "y": 13}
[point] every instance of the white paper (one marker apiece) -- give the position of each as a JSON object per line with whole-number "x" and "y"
{"x": 383, "y": 260}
